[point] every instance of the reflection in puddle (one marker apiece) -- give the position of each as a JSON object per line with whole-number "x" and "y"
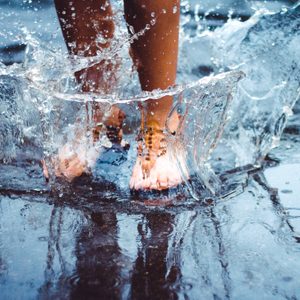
{"x": 239, "y": 248}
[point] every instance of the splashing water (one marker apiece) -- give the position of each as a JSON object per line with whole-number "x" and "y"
{"x": 237, "y": 83}
{"x": 43, "y": 110}
{"x": 267, "y": 54}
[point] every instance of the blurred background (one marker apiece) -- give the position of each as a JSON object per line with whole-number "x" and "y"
{"x": 39, "y": 18}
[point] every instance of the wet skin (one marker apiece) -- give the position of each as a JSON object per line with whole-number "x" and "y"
{"x": 155, "y": 56}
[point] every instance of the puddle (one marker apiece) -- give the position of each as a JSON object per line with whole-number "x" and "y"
{"x": 231, "y": 231}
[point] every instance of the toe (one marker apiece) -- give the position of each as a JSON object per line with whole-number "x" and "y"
{"x": 136, "y": 181}
{"x": 147, "y": 182}
{"x": 153, "y": 179}
{"x": 73, "y": 169}
{"x": 45, "y": 169}
{"x": 162, "y": 179}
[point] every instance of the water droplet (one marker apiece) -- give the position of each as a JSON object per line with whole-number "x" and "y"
{"x": 131, "y": 29}
{"x": 175, "y": 9}
{"x": 152, "y": 22}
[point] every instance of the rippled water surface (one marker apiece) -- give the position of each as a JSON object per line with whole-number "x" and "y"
{"x": 95, "y": 247}
{"x": 232, "y": 231}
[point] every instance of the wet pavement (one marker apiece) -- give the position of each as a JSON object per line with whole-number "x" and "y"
{"x": 103, "y": 246}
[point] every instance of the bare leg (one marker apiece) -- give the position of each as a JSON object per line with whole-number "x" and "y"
{"x": 156, "y": 51}
{"x": 88, "y": 28}
{"x": 82, "y": 23}
{"x": 155, "y": 54}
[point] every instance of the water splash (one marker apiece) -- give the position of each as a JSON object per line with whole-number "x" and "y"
{"x": 271, "y": 88}
{"x": 95, "y": 241}
{"x": 266, "y": 97}
{"x": 43, "y": 105}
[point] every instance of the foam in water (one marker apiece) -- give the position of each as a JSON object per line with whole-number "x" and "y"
{"x": 41, "y": 105}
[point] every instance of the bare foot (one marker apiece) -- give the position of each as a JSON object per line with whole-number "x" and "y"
{"x": 79, "y": 155}
{"x": 73, "y": 159}
{"x": 155, "y": 168}
{"x": 162, "y": 175}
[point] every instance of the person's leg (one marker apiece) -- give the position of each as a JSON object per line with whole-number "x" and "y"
{"x": 155, "y": 54}
{"x": 88, "y": 28}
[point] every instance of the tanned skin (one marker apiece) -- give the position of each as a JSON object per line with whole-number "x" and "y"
{"x": 155, "y": 55}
